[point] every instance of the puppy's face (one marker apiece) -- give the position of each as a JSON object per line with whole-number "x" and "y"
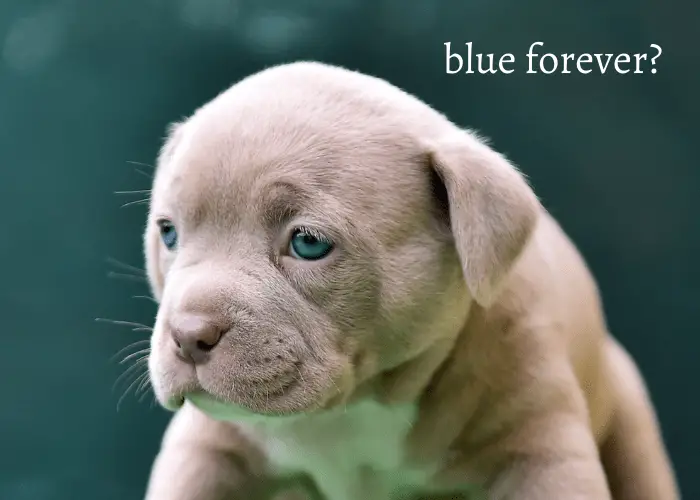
{"x": 301, "y": 242}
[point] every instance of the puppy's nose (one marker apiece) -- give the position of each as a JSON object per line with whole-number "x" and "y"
{"x": 195, "y": 336}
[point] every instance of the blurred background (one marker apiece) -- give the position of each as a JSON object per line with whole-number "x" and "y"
{"x": 87, "y": 88}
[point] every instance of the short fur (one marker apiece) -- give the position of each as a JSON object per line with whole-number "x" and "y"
{"x": 452, "y": 341}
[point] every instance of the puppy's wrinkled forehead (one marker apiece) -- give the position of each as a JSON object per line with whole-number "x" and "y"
{"x": 265, "y": 154}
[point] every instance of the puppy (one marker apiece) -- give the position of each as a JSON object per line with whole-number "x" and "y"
{"x": 356, "y": 292}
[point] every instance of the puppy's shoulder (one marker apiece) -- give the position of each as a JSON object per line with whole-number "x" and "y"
{"x": 550, "y": 271}
{"x": 552, "y": 297}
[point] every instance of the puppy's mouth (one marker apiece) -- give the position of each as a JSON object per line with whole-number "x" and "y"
{"x": 221, "y": 410}
{"x": 226, "y": 388}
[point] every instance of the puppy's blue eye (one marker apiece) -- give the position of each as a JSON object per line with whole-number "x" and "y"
{"x": 168, "y": 234}
{"x": 307, "y": 246}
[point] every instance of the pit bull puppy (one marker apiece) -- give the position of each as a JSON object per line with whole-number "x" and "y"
{"x": 356, "y": 292}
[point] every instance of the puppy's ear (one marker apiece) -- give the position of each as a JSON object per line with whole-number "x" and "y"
{"x": 492, "y": 210}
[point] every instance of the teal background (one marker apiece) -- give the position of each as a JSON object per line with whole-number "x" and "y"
{"x": 87, "y": 86}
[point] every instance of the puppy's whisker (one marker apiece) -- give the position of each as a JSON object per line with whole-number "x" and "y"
{"x": 131, "y": 356}
{"x": 133, "y": 191}
{"x": 144, "y": 173}
{"x": 145, "y": 297}
{"x": 143, "y": 395}
{"x": 142, "y": 329}
{"x": 136, "y": 202}
{"x": 140, "y": 164}
{"x": 138, "y": 364}
{"x": 125, "y": 267}
{"x": 134, "y": 372}
{"x": 141, "y": 171}
{"x": 127, "y": 276}
{"x": 124, "y": 323}
{"x": 133, "y": 384}
{"x": 144, "y": 389}
{"x": 144, "y": 386}
{"x": 130, "y": 346}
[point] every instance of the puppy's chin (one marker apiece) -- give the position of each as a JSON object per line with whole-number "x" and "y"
{"x": 251, "y": 404}
{"x": 294, "y": 400}
{"x": 271, "y": 409}
{"x": 222, "y": 410}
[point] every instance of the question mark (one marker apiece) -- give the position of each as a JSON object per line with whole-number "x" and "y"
{"x": 653, "y": 59}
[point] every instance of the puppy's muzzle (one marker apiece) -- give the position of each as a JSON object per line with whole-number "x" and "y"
{"x": 195, "y": 338}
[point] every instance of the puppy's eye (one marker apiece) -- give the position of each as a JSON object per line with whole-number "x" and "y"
{"x": 168, "y": 233}
{"x": 306, "y": 245}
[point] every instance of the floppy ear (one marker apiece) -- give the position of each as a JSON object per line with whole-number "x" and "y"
{"x": 492, "y": 210}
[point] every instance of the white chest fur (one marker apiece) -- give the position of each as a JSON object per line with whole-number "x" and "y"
{"x": 352, "y": 453}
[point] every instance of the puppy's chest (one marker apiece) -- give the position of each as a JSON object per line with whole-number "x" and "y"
{"x": 353, "y": 453}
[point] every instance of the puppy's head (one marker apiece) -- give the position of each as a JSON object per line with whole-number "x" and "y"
{"x": 312, "y": 228}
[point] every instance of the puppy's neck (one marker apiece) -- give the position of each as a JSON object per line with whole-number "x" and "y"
{"x": 407, "y": 382}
